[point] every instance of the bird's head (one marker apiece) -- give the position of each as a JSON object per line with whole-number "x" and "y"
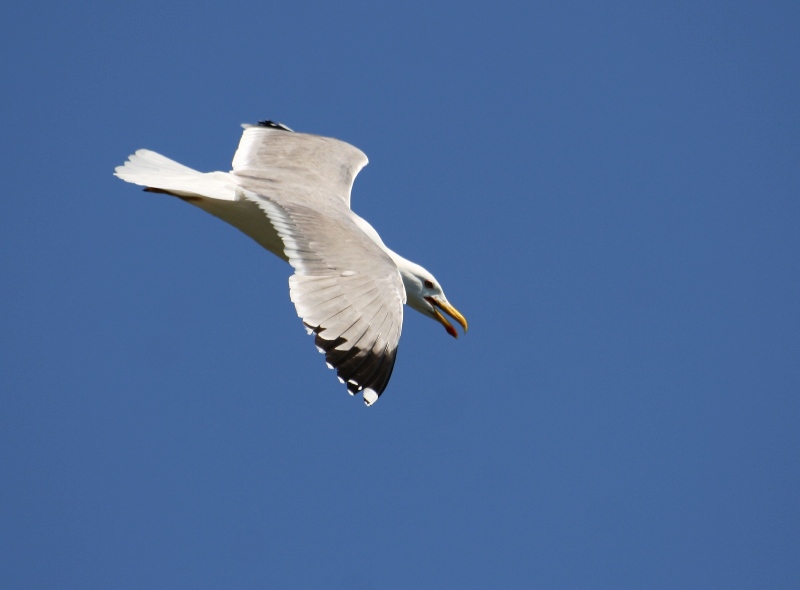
{"x": 425, "y": 294}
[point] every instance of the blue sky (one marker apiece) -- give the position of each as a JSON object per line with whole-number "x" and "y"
{"x": 610, "y": 192}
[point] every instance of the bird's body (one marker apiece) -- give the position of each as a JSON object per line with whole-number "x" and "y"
{"x": 290, "y": 192}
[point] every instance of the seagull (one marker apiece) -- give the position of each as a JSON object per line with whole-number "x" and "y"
{"x": 290, "y": 192}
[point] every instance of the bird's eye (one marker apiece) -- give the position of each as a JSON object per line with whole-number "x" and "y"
{"x": 428, "y": 285}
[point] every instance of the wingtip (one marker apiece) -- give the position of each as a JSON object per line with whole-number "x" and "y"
{"x": 273, "y": 125}
{"x": 370, "y": 397}
{"x": 267, "y": 123}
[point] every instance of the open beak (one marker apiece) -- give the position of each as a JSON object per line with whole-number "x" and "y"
{"x": 451, "y": 311}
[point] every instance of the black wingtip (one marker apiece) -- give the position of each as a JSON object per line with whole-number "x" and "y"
{"x": 273, "y": 125}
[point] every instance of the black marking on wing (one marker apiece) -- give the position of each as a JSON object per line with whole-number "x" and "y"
{"x": 273, "y": 125}
{"x": 360, "y": 368}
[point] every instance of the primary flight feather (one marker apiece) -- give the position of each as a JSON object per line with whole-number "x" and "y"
{"x": 290, "y": 192}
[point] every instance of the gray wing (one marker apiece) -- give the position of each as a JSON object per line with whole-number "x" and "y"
{"x": 346, "y": 289}
{"x": 281, "y": 157}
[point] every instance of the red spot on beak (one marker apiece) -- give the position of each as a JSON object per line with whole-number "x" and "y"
{"x": 443, "y": 320}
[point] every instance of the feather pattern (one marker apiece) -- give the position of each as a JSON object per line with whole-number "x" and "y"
{"x": 355, "y": 316}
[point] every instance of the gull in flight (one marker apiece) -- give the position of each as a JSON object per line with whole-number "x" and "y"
{"x": 290, "y": 192}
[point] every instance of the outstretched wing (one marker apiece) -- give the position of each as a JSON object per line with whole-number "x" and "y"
{"x": 346, "y": 288}
{"x": 272, "y": 153}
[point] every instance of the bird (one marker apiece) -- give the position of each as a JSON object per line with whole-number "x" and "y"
{"x": 290, "y": 192}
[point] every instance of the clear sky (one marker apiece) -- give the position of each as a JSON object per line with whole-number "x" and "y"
{"x": 610, "y": 192}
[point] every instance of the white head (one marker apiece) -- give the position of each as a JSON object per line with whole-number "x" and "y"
{"x": 425, "y": 294}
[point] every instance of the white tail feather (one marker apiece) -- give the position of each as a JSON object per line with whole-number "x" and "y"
{"x": 153, "y": 170}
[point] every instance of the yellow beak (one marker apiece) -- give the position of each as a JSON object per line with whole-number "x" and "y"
{"x": 451, "y": 311}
